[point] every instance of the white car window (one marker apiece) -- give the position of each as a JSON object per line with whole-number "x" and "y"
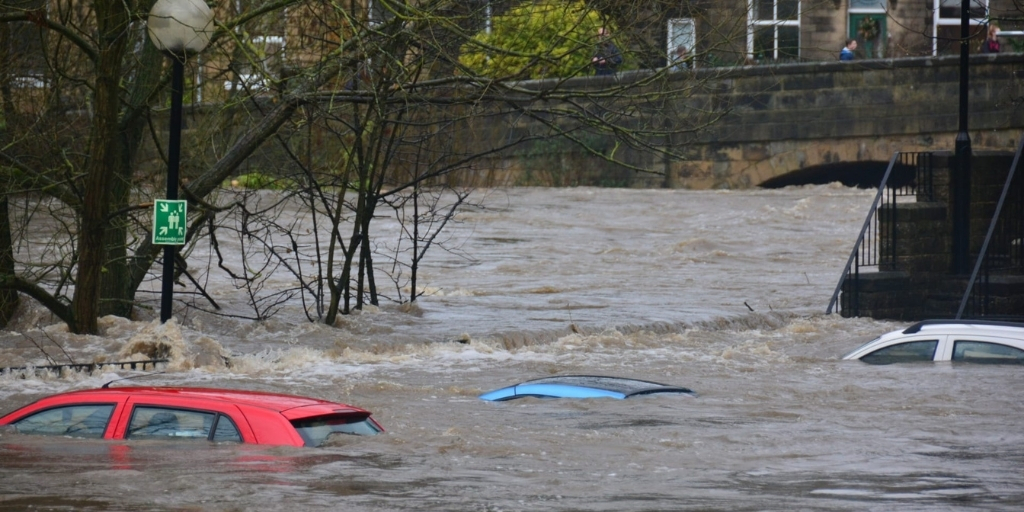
{"x": 984, "y": 352}
{"x": 903, "y": 353}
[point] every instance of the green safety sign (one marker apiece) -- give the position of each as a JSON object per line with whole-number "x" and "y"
{"x": 169, "y": 222}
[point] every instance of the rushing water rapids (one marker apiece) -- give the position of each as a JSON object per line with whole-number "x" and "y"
{"x": 719, "y": 291}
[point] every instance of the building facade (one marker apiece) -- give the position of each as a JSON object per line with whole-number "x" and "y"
{"x": 816, "y": 30}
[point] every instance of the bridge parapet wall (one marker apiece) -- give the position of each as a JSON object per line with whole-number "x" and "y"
{"x": 797, "y": 117}
{"x": 777, "y": 120}
{"x": 791, "y": 117}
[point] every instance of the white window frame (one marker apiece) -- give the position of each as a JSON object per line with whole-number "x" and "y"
{"x": 753, "y": 23}
{"x": 677, "y": 35}
{"x": 883, "y": 6}
{"x": 488, "y": 17}
{"x": 937, "y": 20}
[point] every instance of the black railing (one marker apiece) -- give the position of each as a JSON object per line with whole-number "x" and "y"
{"x": 1001, "y": 252}
{"x": 908, "y": 174}
{"x": 86, "y": 367}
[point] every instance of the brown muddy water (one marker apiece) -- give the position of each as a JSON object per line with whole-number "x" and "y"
{"x": 720, "y": 291}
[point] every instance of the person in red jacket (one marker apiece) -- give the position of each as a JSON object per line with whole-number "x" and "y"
{"x": 991, "y": 42}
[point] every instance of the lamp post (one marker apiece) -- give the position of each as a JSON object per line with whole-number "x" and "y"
{"x": 179, "y": 28}
{"x": 961, "y": 179}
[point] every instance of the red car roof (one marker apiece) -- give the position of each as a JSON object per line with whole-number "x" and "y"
{"x": 273, "y": 401}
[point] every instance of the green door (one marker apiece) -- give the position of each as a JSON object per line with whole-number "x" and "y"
{"x": 869, "y": 31}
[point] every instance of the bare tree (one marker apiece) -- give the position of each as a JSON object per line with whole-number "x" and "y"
{"x": 368, "y": 105}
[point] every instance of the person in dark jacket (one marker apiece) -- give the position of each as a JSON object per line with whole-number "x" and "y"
{"x": 607, "y": 57}
{"x": 680, "y": 59}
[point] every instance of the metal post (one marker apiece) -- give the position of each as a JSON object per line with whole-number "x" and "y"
{"x": 173, "y": 154}
{"x": 961, "y": 179}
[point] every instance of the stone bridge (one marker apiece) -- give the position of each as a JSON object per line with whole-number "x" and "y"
{"x": 811, "y": 123}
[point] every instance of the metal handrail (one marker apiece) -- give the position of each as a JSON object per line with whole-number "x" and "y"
{"x": 87, "y": 367}
{"x": 863, "y": 230}
{"x": 991, "y": 228}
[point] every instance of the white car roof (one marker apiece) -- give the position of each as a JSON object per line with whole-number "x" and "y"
{"x": 1012, "y": 332}
{"x": 977, "y": 327}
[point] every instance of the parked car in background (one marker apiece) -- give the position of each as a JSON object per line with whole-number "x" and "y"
{"x": 583, "y": 386}
{"x": 191, "y": 414}
{"x": 970, "y": 341}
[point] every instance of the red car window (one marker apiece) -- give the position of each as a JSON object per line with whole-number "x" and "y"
{"x": 224, "y": 430}
{"x": 172, "y": 423}
{"x": 315, "y": 431}
{"x": 89, "y": 420}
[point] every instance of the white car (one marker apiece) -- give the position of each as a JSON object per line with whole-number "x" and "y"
{"x": 973, "y": 341}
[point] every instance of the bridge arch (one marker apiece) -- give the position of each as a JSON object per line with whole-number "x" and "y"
{"x": 851, "y": 174}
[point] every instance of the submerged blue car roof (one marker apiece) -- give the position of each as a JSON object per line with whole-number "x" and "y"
{"x": 583, "y": 386}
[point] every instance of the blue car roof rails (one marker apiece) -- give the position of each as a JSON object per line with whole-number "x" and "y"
{"x": 917, "y": 327}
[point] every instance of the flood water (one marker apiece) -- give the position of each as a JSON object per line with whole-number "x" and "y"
{"x": 723, "y": 292}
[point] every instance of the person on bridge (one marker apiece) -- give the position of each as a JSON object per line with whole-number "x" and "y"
{"x": 607, "y": 57}
{"x": 847, "y": 51}
{"x": 680, "y": 59}
{"x": 991, "y": 43}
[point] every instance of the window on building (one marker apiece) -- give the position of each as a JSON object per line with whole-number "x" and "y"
{"x": 264, "y": 56}
{"x": 950, "y": 9}
{"x": 774, "y": 30}
{"x": 380, "y": 12}
{"x": 681, "y": 33}
{"x": 946, "y": 23}
{"x": 869, "y": 5}
{"x": 26, "y": 61}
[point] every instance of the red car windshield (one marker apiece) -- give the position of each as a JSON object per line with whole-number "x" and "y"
{"x": 315, "y": 431}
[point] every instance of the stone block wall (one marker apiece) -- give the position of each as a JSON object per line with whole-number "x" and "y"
{"x": 989, "y": 170}
{"x": 775, "y": 119}
{"x": 921, "y": 237}
{"x": 912, "y": 297}
{"x": 783, "y": 118}
{"x": 917, "y": 284}
{"x": 790, "y": 117}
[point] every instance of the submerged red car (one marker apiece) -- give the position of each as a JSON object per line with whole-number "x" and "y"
{"x": 218, "y": 415}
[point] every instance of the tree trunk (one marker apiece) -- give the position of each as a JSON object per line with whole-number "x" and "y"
{"x": 118, "y": 287}
{"x": 116, "y": 294}
{"x": 8, "y": 297}
{"x": 112, "y": 19}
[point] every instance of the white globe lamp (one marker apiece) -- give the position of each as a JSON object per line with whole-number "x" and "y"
{"x": 180, "y": 27}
